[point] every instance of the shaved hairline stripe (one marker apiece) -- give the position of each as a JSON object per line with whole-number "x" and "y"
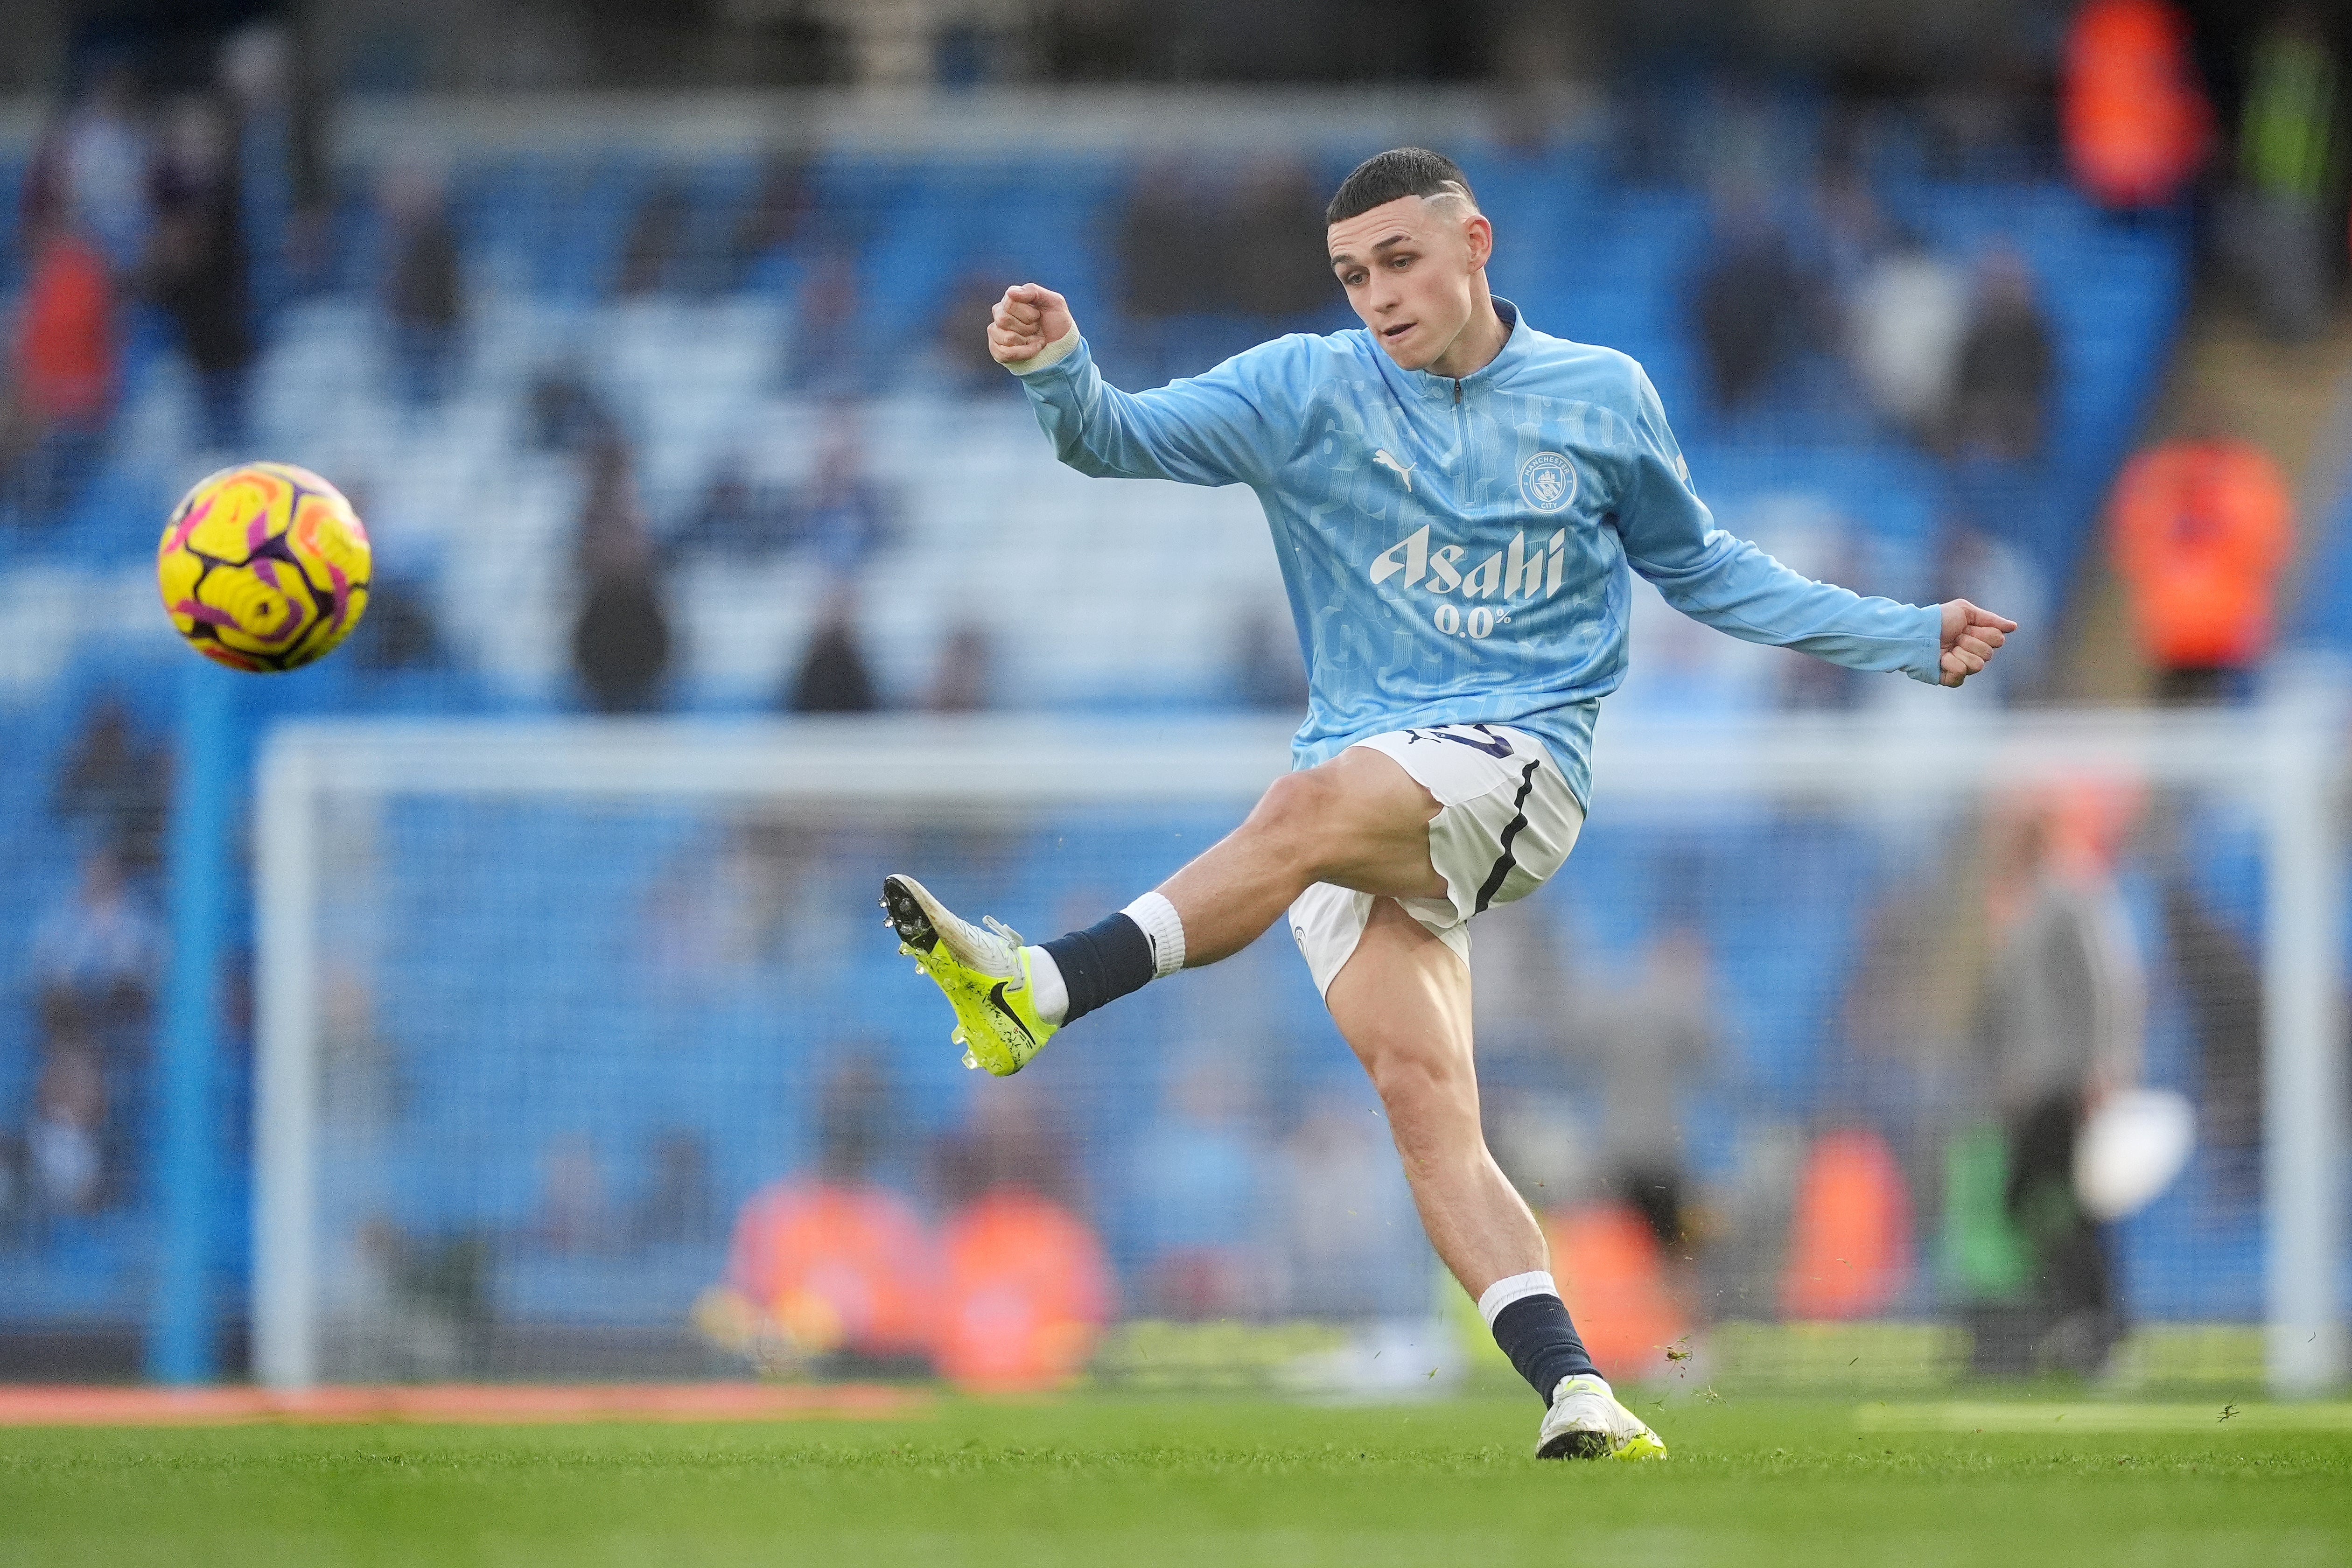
{"x": 1447, "y": 191}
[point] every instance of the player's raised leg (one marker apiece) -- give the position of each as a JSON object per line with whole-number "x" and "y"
{"x": 1358, "y": 821}
{"x": 1402, "y": 1001}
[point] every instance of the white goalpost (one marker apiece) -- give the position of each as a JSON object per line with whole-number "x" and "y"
{"x": 498, "y": 958}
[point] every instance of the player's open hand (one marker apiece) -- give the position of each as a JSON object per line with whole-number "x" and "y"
{"x": 1027, "y": 321}
{"x": 1971, "y": 637}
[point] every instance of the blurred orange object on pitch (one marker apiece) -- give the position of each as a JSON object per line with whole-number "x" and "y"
{"x": 1025, "y": 1295}
{"x": 836, "y": 1267}
{"x": 1850, "y": 1237}
{"x": 1612, "y": 1276}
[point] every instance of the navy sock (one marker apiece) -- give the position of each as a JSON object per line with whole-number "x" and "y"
{"x": 1536, "y": 1332}
{"x": 1102, "y": 963}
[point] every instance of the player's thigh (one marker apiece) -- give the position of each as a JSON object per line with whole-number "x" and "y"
{"x": 1402, "y": 1003}
{"x": 1372, "y": 818}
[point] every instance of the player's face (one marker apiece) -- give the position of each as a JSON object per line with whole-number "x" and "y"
{"x": 1410, "y": 268}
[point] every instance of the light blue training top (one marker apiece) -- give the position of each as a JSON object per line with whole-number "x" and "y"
{"x": 1456, "y": 551}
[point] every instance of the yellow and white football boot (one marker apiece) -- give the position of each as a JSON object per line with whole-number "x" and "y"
{"x": 983, "y": 970}
{"x": 1585, "y": 1422}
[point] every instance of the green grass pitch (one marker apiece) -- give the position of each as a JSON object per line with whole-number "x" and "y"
{"x": 1099, "y": 1481}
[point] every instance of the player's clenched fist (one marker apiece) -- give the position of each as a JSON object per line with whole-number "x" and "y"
{"x": 1971, "y": 637}
{"x": 1027, "y": 321}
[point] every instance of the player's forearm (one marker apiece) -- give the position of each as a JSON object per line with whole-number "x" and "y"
{"x": 1745, "y": 593}
{"x": 1095, "y": 428}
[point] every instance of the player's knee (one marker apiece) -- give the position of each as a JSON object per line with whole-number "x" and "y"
{"x": 1424, "y": 1093}
{"x": 1296, "y": 811}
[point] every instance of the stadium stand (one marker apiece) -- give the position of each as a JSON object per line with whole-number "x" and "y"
{"x": 722, "y": 314}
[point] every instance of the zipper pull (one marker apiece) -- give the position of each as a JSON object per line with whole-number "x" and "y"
{"x": 1457, "y": 392}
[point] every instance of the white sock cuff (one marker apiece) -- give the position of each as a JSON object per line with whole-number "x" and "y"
{"x": 1048, "y": 993}
{"x": 1163, "y": 928}
{"x": 1518, "y": 1287}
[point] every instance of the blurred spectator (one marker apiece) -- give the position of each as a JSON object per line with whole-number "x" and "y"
{"x": 832, "y": 677}
{"x": 1025, "y": 1293}
{"x": 773, "y": 218}
{"x": 828, "y": 353}
{"x": 1615, "y": 1276}
{"x": 89, "y": 172}
{"x": 1010, "y": 1139}
{"x": 1024, "y": 1286}
{"x": 2001, "y": 405}
{"x": 2061, "y": 1023}
{"x": 98, "y": 958}
{"x": 1911, "y": 996}
{"x": 65, "y": 1145}
{"x": 1200, "y": 1175}
{"x": 400, "y": 630}
{"x": 16, "y": 1187}
{"x": 831, "y": 1266}
{"x": 612, "y": 535}
{"x": 1653, "y": 1043}
{"x": 1268, "y": 671}
{"x": 563, "y": 412}
{"x": 679, "y": 1208}
{"x": 655, "y": 243}
{"x": 1159, "y": 228}
{"x": 844, "y": 515}
{"x": 1850, "y": 232}
{"x": 1266, "y": 220}
{"x": 117, "y": 781}
{"x": 1905, "y": 319}
{"x": 1748, "y": 303}
{"x": 2220, "y": 988}
{"x": 2279, "y": 223}
{"x": 621, "y": 638}
{"x": 275, "y": 88}
{"x": 959, "y": 340}
{"x": 2203, "y": 526}
{"x": 1993, "y": 119}
{"x": 196, "y": 264}
{"x": 64, "y": 373}
{"x": 423, "y": 294}
{"x": 432, "y": 1295}
{"x": 1850, "y": 1231}
{"x": 1350, "y": 1244}
{"x": 966, "y": 674}
{"x": 364, "y": 1082}
{"x": 2134, "y": 117}
{"x": 735, "y": 518}
{"x": 1275, "y": 267}
{"x": 574, "y": 1213}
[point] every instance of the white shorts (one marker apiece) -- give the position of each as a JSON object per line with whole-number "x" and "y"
{"x": 1506, "y": 822}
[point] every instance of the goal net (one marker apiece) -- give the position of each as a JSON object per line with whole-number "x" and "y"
{"x": 1844, "y": 1054}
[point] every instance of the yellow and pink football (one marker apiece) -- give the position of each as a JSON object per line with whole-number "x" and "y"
{"x": 264, "y": 567}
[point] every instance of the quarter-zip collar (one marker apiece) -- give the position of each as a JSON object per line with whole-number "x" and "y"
{"x": 1450, "y": 389}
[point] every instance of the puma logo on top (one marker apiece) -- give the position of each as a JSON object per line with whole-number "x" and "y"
{"x": 1402, "y": 470}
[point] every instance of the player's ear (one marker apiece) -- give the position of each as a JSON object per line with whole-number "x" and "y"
{"x": 1479, "y": 235}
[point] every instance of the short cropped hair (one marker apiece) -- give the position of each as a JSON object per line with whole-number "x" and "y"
{"x": 1390, "y": 176}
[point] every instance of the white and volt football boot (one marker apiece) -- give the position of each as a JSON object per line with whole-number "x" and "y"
{"x": 1585, "y": 1422}
{"x": 981, "y": 969}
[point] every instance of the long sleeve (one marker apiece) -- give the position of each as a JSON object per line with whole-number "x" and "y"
{"x": 1236, "y": 425}
{"x": 1728, "y": 584}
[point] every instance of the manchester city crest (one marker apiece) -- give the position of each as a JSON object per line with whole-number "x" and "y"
{"x": 1547, "y": 480}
